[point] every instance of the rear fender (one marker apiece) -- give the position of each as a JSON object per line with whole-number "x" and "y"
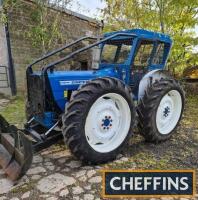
{"x": 149, "y": 78}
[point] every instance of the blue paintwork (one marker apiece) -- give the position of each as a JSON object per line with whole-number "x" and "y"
{"x": 106, "y": 122}
{"x": 47, "y": 120}
{"x": 141, "y": 33}
{"x": 58, "y": 86}
{"x": 61, "y": 81}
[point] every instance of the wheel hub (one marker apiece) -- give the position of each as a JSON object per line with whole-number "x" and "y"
{"x": 166, "y": 111}
{"x": 107, "y": 122}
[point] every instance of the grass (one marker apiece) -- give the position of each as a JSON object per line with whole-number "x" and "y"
{"x": 14, "y": 113}
{"x": 24, "y": 188}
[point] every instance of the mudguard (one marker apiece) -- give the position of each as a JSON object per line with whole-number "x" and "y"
{"x": 149, "y": 78}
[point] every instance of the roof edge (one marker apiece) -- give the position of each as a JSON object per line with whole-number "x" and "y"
{"x": 70, "y": 12}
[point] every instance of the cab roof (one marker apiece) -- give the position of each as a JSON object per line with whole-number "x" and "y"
{"x": 145, "y": 34}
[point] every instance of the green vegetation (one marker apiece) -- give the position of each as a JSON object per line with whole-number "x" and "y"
{"x": 24, "y": 188}
{"x": 15, "y": 111}
{"x": 7, "y": 5}
{"x": 173, "y": 17}
{"x": 46, "y": 31}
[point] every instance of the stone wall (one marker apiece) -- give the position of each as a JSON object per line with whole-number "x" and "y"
{"x": 20, "y": 21}
{"x": 4, "y": 88}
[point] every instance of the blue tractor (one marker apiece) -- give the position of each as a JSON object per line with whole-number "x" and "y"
{"x": 95, "y": 110}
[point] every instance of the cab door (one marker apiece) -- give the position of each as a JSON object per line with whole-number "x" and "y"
{"x": 142, "y": 61}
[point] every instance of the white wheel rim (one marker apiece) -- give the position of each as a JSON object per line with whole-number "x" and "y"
{"x": 169, "y": 112}
{"x": 108, "y": 122}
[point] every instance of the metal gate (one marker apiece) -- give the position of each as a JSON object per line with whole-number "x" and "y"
{"x": 4, "y": 81}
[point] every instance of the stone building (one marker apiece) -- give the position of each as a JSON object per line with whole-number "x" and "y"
{"x": 14, "y": 41}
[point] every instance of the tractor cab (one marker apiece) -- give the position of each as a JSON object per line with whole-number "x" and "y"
{"x": 134, "y": 56}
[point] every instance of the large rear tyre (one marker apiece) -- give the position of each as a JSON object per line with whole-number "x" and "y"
{"x": 160, "y": 110}
{"x": 99, "y": 120}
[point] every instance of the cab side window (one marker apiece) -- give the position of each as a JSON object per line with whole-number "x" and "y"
{"x": 143, "y": 54}
{"x": 159, "y": 55}
{"x": 124, "y": 53}
{"x": 109, "y": 53}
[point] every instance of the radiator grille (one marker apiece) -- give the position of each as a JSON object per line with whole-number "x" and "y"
{"x": 35, "y": 94}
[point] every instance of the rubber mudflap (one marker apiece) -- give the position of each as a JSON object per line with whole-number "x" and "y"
{"x": 9, "y": 165}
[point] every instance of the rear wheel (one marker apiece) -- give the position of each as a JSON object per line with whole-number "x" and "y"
{"x": 99, "y": 120}
{"x": 160, "y": 110}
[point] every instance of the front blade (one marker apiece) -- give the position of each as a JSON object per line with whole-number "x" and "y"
{"x": 16, "y": 152}
{"x": 9, "y": 165}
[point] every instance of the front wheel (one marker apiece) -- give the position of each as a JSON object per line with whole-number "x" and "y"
{"x": 99, "y": 120}
{"x": 160, "y": 110}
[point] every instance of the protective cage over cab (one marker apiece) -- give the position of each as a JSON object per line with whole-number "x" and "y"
{"x": 127, "y": 55}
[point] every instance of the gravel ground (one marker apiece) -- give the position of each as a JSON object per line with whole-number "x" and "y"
{"x": 56, "y": 174}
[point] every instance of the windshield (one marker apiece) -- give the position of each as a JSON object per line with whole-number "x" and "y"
{"x": 116, "y": 52}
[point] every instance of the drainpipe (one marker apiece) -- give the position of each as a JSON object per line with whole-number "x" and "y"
{"x": 11, "y": 70}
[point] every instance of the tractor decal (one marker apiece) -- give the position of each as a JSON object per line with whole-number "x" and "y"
{"x": 75, "y": 82}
